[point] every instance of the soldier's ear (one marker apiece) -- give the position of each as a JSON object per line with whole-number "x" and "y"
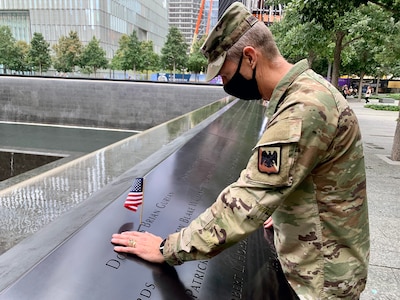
{"x": 250, "y": 54}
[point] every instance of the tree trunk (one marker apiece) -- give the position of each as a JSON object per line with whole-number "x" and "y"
{"x": 329, "y": 72}
{"x": 360, "y": 85}
{"x": 174, "y": 71}
{"x": 337, "y": 57}
{"x": 311, "y": 58}
{"x": 378, "y": 82}
{"x": 396, "y": 142}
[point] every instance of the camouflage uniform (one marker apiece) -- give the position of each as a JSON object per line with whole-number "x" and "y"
{"x": 314, "y": 186}
{"x": 308, "y": 172}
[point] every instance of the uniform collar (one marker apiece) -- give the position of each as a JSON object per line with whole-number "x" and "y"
{"x": 279, "y": 92}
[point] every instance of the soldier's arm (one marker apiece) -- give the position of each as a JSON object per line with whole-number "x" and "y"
{"x": 243, "y": 207}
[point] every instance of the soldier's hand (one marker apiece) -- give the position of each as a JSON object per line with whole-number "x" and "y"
{"x": 268, "y": 223}
{"x": 143, "y": 244}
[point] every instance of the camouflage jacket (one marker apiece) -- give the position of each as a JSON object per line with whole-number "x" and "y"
{"x": 308, "y": 172}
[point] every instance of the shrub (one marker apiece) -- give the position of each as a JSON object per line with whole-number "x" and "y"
{"x": 383, "y": 107}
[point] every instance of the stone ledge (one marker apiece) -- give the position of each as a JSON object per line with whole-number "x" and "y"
{"x": 386, "y": 100}
{"x": 387, "y": 159}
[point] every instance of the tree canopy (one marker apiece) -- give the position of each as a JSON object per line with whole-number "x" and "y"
{"x": 327, "y": 11}
{"x": 19, "y": 59}
{"x": 327, "y": 31}
{"x": 67, "y": 52}
{"x": 129, "y": 54}
{"x": 7, "y": 47}
{"x": 364, "y": 37}
{"x": 197, "y": 62}
{"x": 174, "y": 53}
{"x": 93, "y": 57}
{"x": 150, "y": 59}
{"x": 39, "y": 53}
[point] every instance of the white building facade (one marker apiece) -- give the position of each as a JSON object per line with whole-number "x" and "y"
{"x": 107, "y": 20}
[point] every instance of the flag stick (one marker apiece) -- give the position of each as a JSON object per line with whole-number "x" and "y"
{"x": 141, "y": 209}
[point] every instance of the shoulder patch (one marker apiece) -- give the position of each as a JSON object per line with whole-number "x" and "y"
{"x": 269, "y": 159}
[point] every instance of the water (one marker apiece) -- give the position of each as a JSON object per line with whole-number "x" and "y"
{"x": 26, "y": 151}
{"x": 48, "y": 138}
{"x": 24, "y": 147}
{"x": 15, "y": 163}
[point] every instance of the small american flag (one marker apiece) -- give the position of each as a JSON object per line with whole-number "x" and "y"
{"x": 135, "y": 196}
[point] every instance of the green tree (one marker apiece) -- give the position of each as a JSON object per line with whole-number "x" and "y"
{"x": 370, "y": 31}
{"x": 67, "y": 50}
{"x": 297, "y": 40}
{"x": 174, "y": 53}
{"x": 93, "y": 57}
{"x": 39, "y": 53}
{"x": 129, "y": 55}
{"x": 340, "y": 19}
{"x": 134, "y": 55}
{"x": 325, "y": 12}
{"x": 389, "y": 60}
{"x": 342, "y": 24}
{"x": 117, "y": 61}
{"x": 7, "y": 47}
{"x": 19, "y": 59}
{"x": 197, "y": 61}
{"x": 389, "y": 57}
{"x": 150, "y": 59}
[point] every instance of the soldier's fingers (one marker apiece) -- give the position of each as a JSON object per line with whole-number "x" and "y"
{"x": 268, "y": 223}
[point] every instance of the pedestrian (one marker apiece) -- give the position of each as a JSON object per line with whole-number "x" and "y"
{"x": 351, "y": 91}
{"x": 368, "y": 93}
{"x": 306, "y": 172}
{"x": 345, "y": 91}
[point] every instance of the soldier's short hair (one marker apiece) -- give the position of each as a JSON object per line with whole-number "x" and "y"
{"x": 259, "y": 36}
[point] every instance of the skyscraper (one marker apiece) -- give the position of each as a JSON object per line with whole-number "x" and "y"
{"x": 185, "y": 14}
{"x": 107, "y": 20}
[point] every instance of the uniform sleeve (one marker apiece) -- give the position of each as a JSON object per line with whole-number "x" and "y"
{"x": 273, "y": 171}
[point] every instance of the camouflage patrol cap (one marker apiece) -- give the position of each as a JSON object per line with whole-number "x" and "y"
{"x": 233, "y": 24}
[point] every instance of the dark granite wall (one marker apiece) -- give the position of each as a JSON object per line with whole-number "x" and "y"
{"x": 100, "y": 103}
{"x": 13, "y": 164}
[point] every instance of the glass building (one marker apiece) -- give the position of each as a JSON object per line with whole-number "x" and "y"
{"x": 107, "y": 20}
{"x": 184, "y": 14}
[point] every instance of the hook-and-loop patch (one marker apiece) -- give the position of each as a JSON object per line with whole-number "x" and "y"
{"x": 275, "y": 153}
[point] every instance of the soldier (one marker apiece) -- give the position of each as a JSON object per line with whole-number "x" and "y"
{"x": 313, "y": 186}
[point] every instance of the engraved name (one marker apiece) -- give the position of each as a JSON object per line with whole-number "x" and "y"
{"x": 146, "y": 292}
{"x": 238, "y": 276}
{"x": 154, "y": 215}
{"x": 197, "y": 280}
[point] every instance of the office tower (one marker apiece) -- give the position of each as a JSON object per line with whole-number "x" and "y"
{"x": 193, "y": 18}
{"x": 107, "y": 20}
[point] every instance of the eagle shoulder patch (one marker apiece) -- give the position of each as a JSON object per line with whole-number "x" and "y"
{"x": 269, "y": 159}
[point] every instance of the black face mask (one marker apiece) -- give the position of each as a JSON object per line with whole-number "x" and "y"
{"x": 241, "y": 87}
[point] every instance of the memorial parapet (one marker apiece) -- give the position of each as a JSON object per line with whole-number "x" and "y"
{"x": 175, "y": 192}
